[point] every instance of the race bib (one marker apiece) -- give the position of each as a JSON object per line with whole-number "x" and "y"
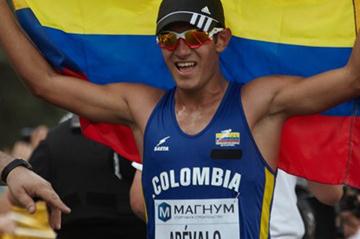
{"x": 197, "y": 219}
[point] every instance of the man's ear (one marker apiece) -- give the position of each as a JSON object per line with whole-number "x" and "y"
{"x": 222, "y": 40}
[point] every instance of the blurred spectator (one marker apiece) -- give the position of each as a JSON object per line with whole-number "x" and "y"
{"x": 38, "y": 135}
{"x": 29, "y": 140}
{"x": 4, "y": 202}
{"x": 92, "y": 180}
{"x": 29, "y": 226}
{"x": 288, "y": 222}
{"x": 7, "y": 225}
{"x": 21, "y": 150}
{"x": 17, "y": 222}
{"x": 350, "y": 215}
{"x": 325, "y": 219}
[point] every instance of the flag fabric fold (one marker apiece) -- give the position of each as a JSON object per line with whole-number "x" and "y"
{"x": 109, "y": 41}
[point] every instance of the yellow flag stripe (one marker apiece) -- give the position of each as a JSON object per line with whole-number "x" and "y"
{"x": 265, "y": 213}
{"x": 300, "y": 22}
{"x": 357, "y": 14}
{"x": 97, "y": 16}
{"x": 20, "y": 4}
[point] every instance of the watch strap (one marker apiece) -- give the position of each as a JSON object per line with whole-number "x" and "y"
{"x": 14, "y": 164}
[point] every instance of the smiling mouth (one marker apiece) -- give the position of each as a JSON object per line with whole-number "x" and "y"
{"x": 185, "y": 66}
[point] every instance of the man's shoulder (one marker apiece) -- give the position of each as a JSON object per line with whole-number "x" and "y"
{"x": 138, "y": 97}
{"x": 258, "y": 95}
{"x": 268, "y": 85}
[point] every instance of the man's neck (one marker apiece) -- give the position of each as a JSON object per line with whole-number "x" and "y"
{"x": 194, "y": 111}
{"x": 209, "y": 94}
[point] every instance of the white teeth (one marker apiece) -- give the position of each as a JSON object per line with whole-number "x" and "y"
{"x": 185, "y": 64}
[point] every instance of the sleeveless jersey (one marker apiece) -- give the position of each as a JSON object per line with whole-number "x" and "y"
{"x": 212, "y": 185}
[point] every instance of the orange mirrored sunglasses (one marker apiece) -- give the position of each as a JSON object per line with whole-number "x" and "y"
{"x": 193, "y": 38}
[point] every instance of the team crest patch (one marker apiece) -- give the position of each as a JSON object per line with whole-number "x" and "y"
{"x": 227, "y": 138}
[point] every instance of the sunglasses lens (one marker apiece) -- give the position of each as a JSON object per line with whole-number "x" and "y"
{"x": 167, "y": 40}
{"x": 195, "y": 38}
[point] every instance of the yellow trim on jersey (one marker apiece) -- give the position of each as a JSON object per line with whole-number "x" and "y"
{"x": 266, "y": 205}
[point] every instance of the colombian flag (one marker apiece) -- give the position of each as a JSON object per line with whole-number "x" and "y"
{"x": 110, "y": 40}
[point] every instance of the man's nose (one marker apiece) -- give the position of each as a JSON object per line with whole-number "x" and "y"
{"x": 182, "y": 49}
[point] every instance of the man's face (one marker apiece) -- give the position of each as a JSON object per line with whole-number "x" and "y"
{"x": 191, "y": 68}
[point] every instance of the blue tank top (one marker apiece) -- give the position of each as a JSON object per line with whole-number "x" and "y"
{"x": 212, "y": 185}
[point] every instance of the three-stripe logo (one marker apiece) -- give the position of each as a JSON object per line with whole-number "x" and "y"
{"x": 202, "y": 21}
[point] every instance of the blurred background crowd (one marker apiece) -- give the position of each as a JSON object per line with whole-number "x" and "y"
{"x": 91, "y": 179}
{"x": 24, "y": 124}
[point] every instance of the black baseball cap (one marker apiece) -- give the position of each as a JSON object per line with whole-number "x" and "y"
{"x": 203, "y": 14}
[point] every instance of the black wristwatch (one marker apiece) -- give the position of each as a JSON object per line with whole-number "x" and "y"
{"x": 13, "y": 164}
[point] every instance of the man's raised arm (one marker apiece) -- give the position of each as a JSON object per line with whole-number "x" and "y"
{"x": 298, "y": 96}
{"x": 98, "y": 103}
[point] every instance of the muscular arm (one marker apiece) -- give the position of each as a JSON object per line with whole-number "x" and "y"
{"x": 137, "y": 202}
{"x": 297, "y": 96}
{"x": 269, "y": 101}
{"x": 108, "y": 103}
{"x": 327, "y": 194}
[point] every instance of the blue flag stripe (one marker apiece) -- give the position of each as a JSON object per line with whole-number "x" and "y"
{"x": 141, "y": 60}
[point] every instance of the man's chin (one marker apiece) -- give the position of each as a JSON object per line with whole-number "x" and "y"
{"x": 187, "y": 85}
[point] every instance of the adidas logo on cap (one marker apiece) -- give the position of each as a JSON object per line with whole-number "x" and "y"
{"x": 206, "y": 10}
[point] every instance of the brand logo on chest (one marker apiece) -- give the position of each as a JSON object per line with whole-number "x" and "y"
{"x": 162, "y": 146}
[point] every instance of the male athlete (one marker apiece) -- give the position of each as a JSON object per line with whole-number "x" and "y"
{"x": 209, "y": 146}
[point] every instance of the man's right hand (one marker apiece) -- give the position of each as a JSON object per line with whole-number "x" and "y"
{"x": 24, "y": 185}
